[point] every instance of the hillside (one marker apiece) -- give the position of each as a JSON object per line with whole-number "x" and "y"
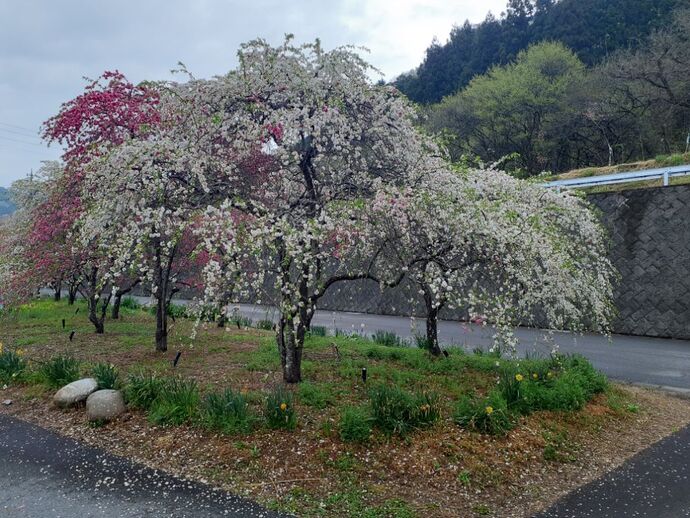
{"x": 6, "y": 205}
{"x": 591, "y": 28}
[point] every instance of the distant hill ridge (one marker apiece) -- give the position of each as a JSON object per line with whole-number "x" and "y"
{"x": 593, "y": 29}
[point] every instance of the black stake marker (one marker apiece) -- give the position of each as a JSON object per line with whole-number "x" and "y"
{"x": 71, "y": 335}
{"x": 177, "y": 358}
{"x": 364, "y": 374}
{"x": 63, "y": 323}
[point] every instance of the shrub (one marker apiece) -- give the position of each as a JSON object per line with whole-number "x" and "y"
{"x": 59, "y": 371}
{"x": 12, "y": 365}
{"x": 280, "y": 409}
{"x": 177, "y": 311}
{"x": 355, "y": 425}
{"x": 174, "y": 310}
{"x": 315, "y": 395}
{"x": 387, "y": 338}
{"x": 397, "y": 411}
{"x": 143, "y": 388}
{"x": 107, "y": 376}
{"x": 177, "y": 402}
{"x": 489, "y": 415}
{"x": 227, "y": 412}
{"x": 265, "y": 324}
{"x": 130, "y": 303}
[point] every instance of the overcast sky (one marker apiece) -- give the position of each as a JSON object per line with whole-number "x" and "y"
{"x": 48, "y": 46}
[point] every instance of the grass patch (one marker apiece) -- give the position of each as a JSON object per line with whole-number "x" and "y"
{"x": 12, "y": 365}
{"x": 279, "y": 409}
{"x": 355, "y": 424}
{"x": 177, "y": 402}
{"x": 489, "y": 415}
{"x": 316, "y": 395}
{"x": 107, "y": 376}
{"x": 59, "y": 371}
{"x": 143, "y": 388}
{"x": 387, "y": 338}
{"x": 396, "y": 411}
{"x": 227, "y": 412}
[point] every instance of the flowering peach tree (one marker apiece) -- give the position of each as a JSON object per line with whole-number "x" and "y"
{"x": 330, "y": 140}
{"x": 506, "y": 251}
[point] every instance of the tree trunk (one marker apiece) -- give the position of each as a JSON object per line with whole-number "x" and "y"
{"x": 290, "y": 345}
{"x": 432, "y": 310}
{"x": 161, "y": 324}
{"x": 222, "y": 319}
{"x": 57, "y": 295}
{"x": 115, "y": 314}
{"x": 72, "y": 293}
{"x": 93, "y": 299}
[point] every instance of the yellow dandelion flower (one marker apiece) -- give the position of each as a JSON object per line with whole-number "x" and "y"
{"x": 535, "y": 376}
{"x": 550, "y": 375}
{"x": 489, "y": 410}
{"x": 283, "y": 407}
{"x": 20, "y": 352}
{"x": 519, "y": 377}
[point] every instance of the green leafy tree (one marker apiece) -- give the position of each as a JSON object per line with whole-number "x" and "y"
{"x": 520, "y": 108}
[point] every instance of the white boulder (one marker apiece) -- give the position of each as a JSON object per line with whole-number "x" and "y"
{"x": 104, "y": 405}
{"x": 75, "y": 392}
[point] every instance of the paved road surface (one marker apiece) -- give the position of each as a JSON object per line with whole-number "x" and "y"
{"x": 43, "y": 475}
{"x": 655, "y": 484}
{"x": 650, "y": 361}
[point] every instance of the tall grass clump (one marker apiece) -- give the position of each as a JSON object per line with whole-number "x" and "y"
{"x": 489, "y": 415}
{"x": 177, "y": 403}
{"x": 280, "y": 409}
{"x": 396, "y": 411}
{"x": 107, "y": 376}
{"x": 355, "y": 425}
{"x": 143, "y": 388}
{"x": 387, "y": 338}
{"x": 12, "y": 365}
{"x": 227, "y": 412}
{"x": 59, "y": 371}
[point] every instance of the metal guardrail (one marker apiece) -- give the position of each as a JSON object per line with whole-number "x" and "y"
{"x": 663, "y": 173}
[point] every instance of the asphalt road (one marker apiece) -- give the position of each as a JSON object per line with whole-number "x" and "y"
{"x": 43, "y": 475}
{"x": 652, "y": 484}
{"x": 647, "y": 361}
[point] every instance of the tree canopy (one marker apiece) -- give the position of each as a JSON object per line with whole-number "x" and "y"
{"x": 593, "y": 29}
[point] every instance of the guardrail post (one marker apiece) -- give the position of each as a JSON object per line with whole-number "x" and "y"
{"x": 665, "y": 178}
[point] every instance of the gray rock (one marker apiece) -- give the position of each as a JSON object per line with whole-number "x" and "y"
{"x": 75, "y": 392}
{"x": 7, "y": 402}
{"x": 104, "y": 405}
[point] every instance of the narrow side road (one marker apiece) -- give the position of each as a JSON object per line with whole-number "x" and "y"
{"x": 655, "y": 483}
{"x": 44, "y": 475}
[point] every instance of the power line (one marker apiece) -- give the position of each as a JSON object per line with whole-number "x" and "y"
{"x": 19, "y": 133}
{"x": 15, "y": 126}
{"x": 20, "y": 141}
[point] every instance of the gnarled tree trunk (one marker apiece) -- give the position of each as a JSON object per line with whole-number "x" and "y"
{"x": 432, "y": 310}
